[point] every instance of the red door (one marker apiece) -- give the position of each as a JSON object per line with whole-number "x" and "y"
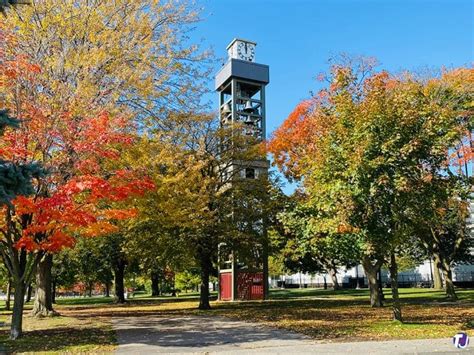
{"x": 225, "y": 286}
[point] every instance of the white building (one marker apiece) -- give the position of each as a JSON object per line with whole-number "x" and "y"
{"x": 421, "y": 276}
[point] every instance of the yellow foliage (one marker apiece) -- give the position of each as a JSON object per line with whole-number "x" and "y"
{"x": 96, "y": 53}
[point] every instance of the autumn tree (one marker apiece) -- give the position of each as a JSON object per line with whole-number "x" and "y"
{"x": 443, "y": 232}
{"x": 376, "y": 140}
{"x": 126, "y": 54}
{"x": 154, "y": 239}
{"x": 205, "y": 161}
{"x": 128, "y": 57}
{"x": 74, "y": 197}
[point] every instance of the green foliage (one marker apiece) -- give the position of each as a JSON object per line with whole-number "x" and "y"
{"x": 305, "y": 249}
{"x": 90, "y": 262}
{"x": 7, "y": 121}
{"x": 93, "y": 261}
{"x": 382, "y": 156}
{"x": 65, "y": 268}
{"x": 188, "y": 280}
{"x": 15, "y": 178}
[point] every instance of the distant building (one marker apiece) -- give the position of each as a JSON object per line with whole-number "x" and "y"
{"x": 463, "y": 275}
{"x": 421, "y": 276}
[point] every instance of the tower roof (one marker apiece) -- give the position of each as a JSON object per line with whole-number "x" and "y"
{"x": 242, "y": 40}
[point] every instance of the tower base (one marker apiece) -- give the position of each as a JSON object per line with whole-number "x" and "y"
{"x": 243, "y": 285}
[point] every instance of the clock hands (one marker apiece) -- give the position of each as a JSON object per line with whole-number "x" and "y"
{"x": 245, "y": 51}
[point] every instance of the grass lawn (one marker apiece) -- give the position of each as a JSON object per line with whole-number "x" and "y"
{"x": 85, "y": 326}
{"x": 347, "y": 315}
{"x": 60, "y": 334}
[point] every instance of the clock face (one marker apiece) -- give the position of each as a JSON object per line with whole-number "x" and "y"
{"x": 246, "y": 51}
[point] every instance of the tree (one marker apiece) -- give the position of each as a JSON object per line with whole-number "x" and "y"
{"x": 91, "y": 258}
{"x": 376, "y": 141}
{"x": 315, "y": 251}
{"x": 125, "y": 55}
{"x": 207, "y": 159}
{"x": 154, "y": 239}
{"x": 328, "y": 137}
{"x": 443, "y": 231}
{"x": 187, "y": 280}
{"x": 74, "y": 198}
{"x": 125, "y": 58}
{"x": 64, "y": 271}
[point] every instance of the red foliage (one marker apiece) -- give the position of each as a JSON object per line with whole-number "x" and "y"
{"x": 289, "y": 142}
{"x": 78, "y": 151}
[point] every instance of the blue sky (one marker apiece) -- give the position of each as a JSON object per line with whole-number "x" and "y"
{"x": 296, "y": 37}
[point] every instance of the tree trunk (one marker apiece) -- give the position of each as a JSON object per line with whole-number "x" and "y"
{"x": 16, "y": 329}
{"x": 173, "y": 283}
{"x": 107, "y": 289}
{"x": 119, "y": 286}
{"x": 206, "y": 264}
{"x": 29, "y": 291}
{"x": 375, "y": 296}
{"x": 371, "y": 271}
{"x": 443, "y": 265}
{"x": 9, "y": 295}
{"x": 325, "y": 285}
{"x": 335, "y": 283}
{"x": 448, "y": 280}
{"x": 43, "y": 306}
{"x": 437, "y": 280}
{"x": 155, "y": 283}
{"x": 396, "y": 307}
{"x": 53, "y": 291}
{"x": 89, "y": 292}
{"x": 379, "y": 281}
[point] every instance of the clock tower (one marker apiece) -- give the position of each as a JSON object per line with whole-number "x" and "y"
{"x": 241, "y": 86}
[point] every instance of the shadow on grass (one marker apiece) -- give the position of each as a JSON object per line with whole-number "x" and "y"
{"x": 58, "y": 339}
{"x": 100, "y": 301}
{"x": 290, "y": 304}
{"x": 84, "y": 301}
{"x": 307, "y": 292}
{"x": 155, "y": 300}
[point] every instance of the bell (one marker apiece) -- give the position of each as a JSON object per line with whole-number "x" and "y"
{"x": 226, "y": 109}
{"x": 248, "y": 120}
{"x": 248, "y": 107}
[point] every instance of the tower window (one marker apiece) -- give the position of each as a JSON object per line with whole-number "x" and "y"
{"x": 250, "y": 173}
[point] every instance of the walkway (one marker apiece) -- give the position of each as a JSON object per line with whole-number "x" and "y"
{"x": 204, "y": 335}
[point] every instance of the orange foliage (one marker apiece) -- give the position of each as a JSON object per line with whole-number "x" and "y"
{"x": 289, "y": 142}
{"x": 463, "y": 155}
{"x": 77, "y": 151}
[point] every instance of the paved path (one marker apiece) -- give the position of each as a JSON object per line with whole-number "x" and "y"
{"x": 207, "y": 335}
